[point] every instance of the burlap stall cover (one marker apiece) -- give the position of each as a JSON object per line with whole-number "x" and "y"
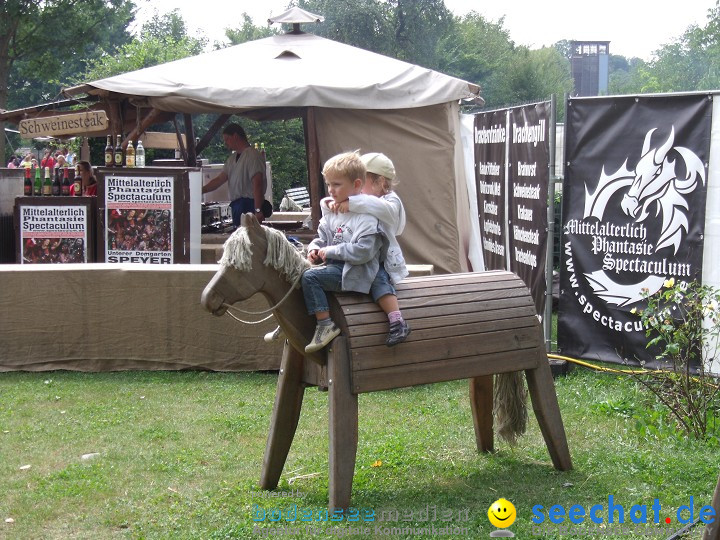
{"x": 97, "y": 317}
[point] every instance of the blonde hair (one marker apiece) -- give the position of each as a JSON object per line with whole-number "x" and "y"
{"x": 387, "y": 184}
{"x": 347, "y": 165}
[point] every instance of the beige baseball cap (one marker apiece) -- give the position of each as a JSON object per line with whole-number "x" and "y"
{"x": 378, "y": 163}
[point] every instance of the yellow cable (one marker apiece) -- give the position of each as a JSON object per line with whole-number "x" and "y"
{"x": 596, "y": 368}
{"x": 611, "y": 370}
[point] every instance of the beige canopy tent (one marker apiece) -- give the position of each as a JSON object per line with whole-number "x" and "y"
{"x": 349, "y": 99}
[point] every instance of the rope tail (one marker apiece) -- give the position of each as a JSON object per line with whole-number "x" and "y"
{"x": 510, "y": 405}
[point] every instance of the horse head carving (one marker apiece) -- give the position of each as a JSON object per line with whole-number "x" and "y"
{"x": 258, "y": 259}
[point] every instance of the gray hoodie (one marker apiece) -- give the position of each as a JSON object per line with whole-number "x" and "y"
{"x": 354, "y": 239}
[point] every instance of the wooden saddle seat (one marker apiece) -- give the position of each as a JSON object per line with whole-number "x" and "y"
{"x": 463, "y": 326}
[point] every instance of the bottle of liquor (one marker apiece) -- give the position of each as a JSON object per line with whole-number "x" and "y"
{"x": 130, "y": 155}
{"x": 37, "y": 187}
{"x": 118, "y": 152}
{"x": 47, "y": 184}
{"x": 66, "y": 182}
{"x": 77, "y": 183}
{"x": 28, "y": 185}
{"x": 57, "y": 183}
{"x": 109, "y": 153}
{"x": 262, "y": 151}
{"x": 140, "y": 155}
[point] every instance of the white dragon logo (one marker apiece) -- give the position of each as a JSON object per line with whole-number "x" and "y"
{"x": 653, "y": 186}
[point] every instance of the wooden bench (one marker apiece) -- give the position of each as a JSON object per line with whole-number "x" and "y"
{"x": 299, "y": 195}
{"x": 464, "y": 326}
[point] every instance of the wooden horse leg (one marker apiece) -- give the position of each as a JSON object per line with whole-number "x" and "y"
{"x": 547, "y": 412}
{"x": 343, "y": 420}
{"x": 712, "y": 530}
{"x": 481, "y": 404}
{"x": 285, "y": 416}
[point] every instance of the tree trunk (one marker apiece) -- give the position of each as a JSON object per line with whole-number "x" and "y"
{"x": 6, "y": 39}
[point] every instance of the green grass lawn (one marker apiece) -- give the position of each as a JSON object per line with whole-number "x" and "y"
{"x": 180, "y": 455}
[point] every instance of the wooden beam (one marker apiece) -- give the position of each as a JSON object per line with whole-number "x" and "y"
{"x": 316, "y": 186}
{"x": 210, "y": 133}
{"x": 155, "y": 139}
{"x": 153, "y": 117}
{"x": 181, "y": 142}
{"x": 113, "y": 110}
{"x": 191, "y": 160}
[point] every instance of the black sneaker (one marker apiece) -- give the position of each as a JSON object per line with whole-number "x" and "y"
{"x": 399, "y": 331}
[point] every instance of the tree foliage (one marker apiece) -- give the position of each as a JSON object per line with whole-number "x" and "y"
{"x": 44, "y": 43}
{"x": 247, "y": 32}
{"x": 47, "y": 44}
{"x": 481, "y": 51}
{"x": 163, "y": 38}
{"x": 408, "y": 30}
{"x": 690, "y": 62}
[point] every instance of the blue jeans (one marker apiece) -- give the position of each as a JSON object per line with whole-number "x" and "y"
{"x": 316, "y": 281}
{"x": 382, "y": 285}
{"x": 241, "y": 206}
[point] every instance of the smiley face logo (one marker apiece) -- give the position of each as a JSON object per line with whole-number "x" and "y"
{"x": 502, "y": 513}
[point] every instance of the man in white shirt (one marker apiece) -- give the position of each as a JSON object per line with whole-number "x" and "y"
{"x": 244, "y": 171}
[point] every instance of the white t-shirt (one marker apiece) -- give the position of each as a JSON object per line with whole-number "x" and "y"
{"x": 240, "y": 170}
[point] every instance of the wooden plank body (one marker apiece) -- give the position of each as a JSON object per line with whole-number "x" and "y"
{"x": 463, "y": 326}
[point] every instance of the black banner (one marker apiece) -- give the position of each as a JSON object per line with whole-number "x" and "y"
{"x": 528, "y": 196}
{"x": 633, "y": 215}
{"x": 490, "y": 137}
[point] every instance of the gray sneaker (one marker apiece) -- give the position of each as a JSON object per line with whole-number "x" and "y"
{"x": 274, "y": 335}
{"x": 399, "y": 331}
{"x": 323, "y": 336}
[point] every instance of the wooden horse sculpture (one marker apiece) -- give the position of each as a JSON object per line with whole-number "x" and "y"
{"x": 465, "y": 326}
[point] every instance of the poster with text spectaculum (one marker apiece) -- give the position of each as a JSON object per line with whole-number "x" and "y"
{"x": 633, "y": 216}
{"x": 54, "y": 230}
{"x": 139, "y": 217}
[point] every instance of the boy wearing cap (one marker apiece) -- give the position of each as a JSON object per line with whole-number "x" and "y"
{"x": 380, "y": 200}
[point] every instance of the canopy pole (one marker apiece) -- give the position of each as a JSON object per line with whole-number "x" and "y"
{"x": 210, "y": 133}
{"x": 315, "y": 183}
{"x": 116, "y": 125}
{"x": 191, "y": 160}
{"x": 181, "y": 145}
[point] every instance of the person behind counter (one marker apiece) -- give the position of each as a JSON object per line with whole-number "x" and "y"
{"x": 244, "y": 171}
{"x": 89, "y": 184}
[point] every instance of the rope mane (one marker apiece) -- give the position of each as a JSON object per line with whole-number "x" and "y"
{"x": 281, "y": 255}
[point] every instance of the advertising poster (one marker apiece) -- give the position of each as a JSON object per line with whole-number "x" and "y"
{"x": 53, "y": 234}
{"x": 633, "y": 216}
{"x": 139, "y": 216}
{"x": 490, "y": 152}
{"x": 529, "y": 176}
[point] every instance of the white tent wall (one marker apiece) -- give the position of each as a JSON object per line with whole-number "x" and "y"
{"x": 467, "y": 130}
{"x": 424, "y": 144}
{"x": 465, "y": 217}
{"x": 711, "y": 249}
